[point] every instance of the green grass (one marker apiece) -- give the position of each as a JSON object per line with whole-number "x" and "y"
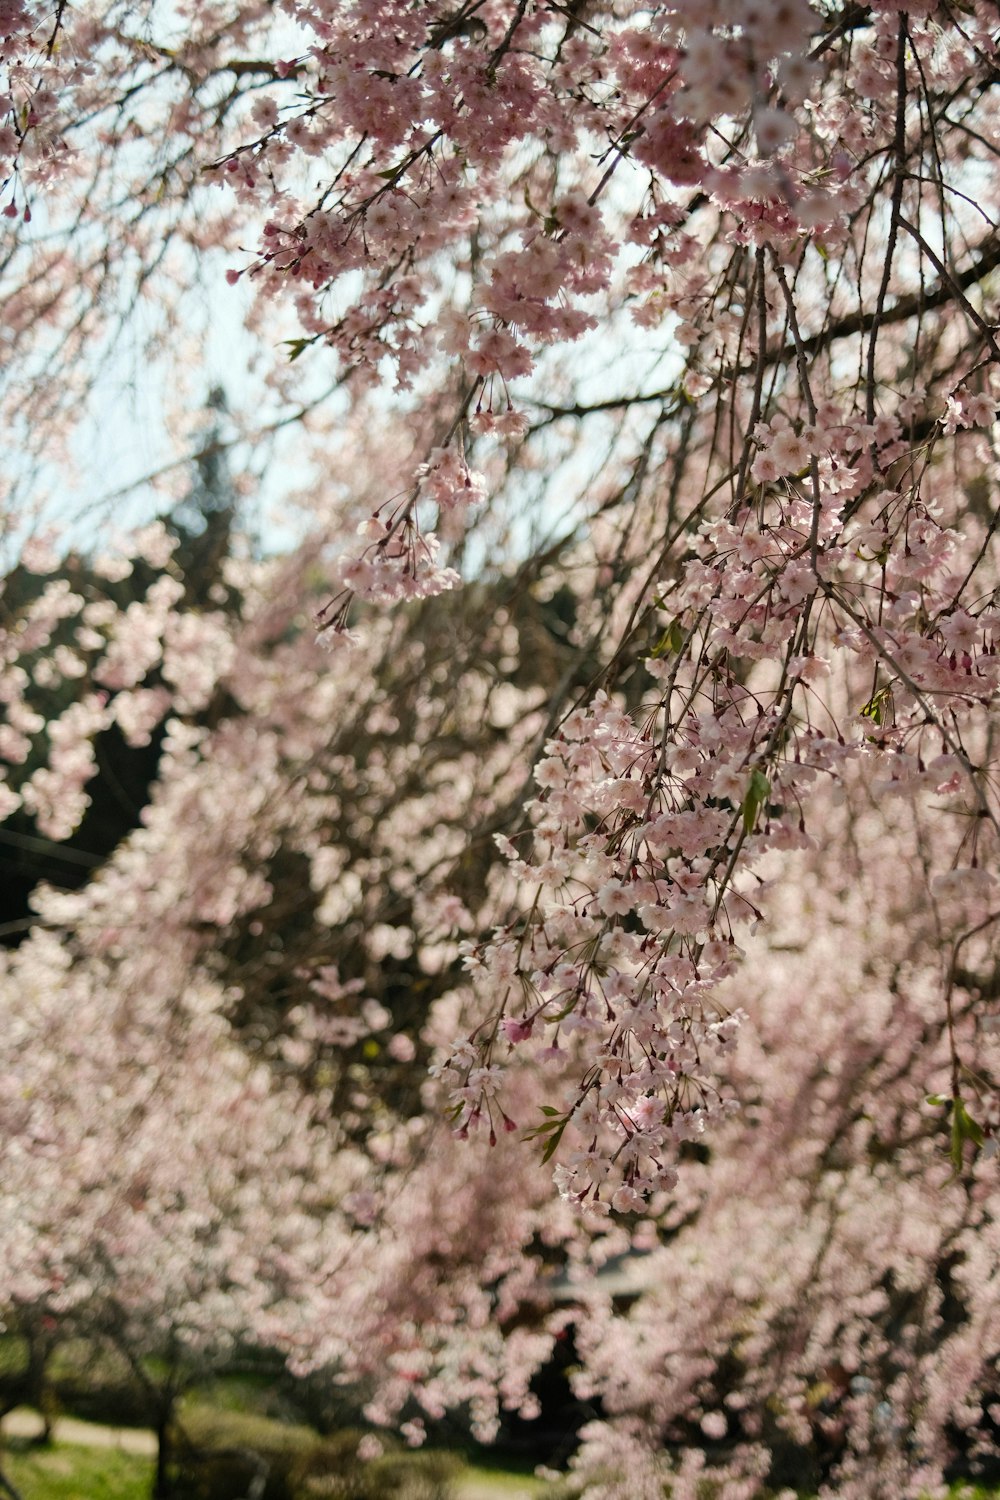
{"x": 212, "y": 1426}
{"x": 66, "y": 1472}
{"x": 488, "y": 1477}
{"x": 69, "y": 1472}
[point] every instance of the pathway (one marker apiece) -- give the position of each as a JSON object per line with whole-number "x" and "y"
{"x": 25, "y": 1423}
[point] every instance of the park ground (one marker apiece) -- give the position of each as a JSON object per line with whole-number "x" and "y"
{"x": 93, "y": 1461}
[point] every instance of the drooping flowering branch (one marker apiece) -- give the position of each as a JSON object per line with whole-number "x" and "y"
{"x": 791, "y": 208}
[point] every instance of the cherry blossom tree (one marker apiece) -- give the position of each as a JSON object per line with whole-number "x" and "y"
{"x": 145, "y": 1158}
{"x": 215, "y": 1131}
{"x": 676, "y": 322}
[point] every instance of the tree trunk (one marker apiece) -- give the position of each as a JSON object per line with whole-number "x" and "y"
{"x": 39, "y": 1395}
{"x": 161, "y": 1481}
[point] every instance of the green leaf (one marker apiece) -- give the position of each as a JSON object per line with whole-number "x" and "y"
{"x": 878, "y": 707}
{"x": 963, "y": 1128}
{"x": 670, "y": 641}
{"x": 553, "y": 1142}
{"x": 552, "y": 1127}
{"x": 295, "y": 348}
{"x": 937, "y": 1100}
{"x": 757, "y": 794}
{"x": 557, "y": 1123}
{"x": 881, "y": 556}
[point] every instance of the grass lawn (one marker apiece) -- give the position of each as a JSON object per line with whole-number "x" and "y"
{"x": 71, "y": 1472}
{"x": 483, "y": 1482}
{"x": 66, "y": 1472}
